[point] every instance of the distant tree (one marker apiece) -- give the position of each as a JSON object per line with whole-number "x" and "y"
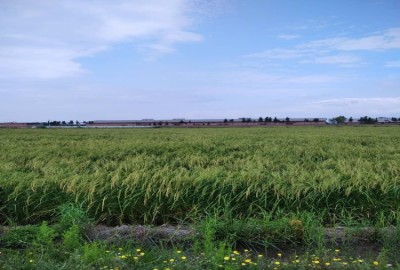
{"x": 248, "y": 119}
{"x": 316, "y": 120}
{"x": 394, "y": 119}
{"x": 63, "y": 123}
{"x": 225, "y": 120}
{"x": 287, "y": 119}
{"x": 276, "y": 120}
{"x": 260, "y": 119}
{"x": 351, "y": 119}
{"x": 77, "y": 123}
{"x": 306, "y": 120}
{"x": 367, "y": 120}
{"x": 71, "y": 122}
{"x": 231, "y": 120}
{"x": 340, "y": 119}
{"x": 160, "y": 123}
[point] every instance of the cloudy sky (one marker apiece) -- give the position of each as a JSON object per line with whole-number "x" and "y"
{"x": 134, "y": 59}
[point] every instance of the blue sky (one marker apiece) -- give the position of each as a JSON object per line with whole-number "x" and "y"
{"x": 134, "y": 59}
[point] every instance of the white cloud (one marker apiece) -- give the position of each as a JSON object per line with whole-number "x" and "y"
{"x": 44, "y": 39}
{"x": 329, "y": 51}
{"x": 311, "y": 79}
{"x": 280, "y": 54}
{"x": 352, "y": 101}
{"x": 337, "y": 59}
{"x": 274, "y": 80}
{"x": 375, "y": 106}
{"x": 288, "y": 37}
{"x": 340, "y": 60}
{"x": 393, "y": 64}
{"x": 389, "y": 39}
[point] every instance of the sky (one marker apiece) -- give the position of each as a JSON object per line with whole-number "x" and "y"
{"x": 198, "y": 59}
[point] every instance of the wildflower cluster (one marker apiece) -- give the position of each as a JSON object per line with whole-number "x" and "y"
{"x": 120, "y": 258}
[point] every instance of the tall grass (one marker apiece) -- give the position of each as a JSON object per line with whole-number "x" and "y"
{"x": 155, "y": 176}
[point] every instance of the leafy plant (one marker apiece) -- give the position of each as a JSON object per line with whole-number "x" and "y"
{"x": 72, "y": 239}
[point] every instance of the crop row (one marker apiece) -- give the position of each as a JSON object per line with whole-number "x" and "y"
{"x": 155, "y": 176}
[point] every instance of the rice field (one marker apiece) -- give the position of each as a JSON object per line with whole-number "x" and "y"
{"x": 156, "y": 176}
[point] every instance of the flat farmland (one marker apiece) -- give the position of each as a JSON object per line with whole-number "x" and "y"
{"x": 172, "y": 175}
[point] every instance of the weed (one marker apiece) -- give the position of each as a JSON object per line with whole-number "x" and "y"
{"x": 45, "y": 236}
{"x": 72, "y": 239}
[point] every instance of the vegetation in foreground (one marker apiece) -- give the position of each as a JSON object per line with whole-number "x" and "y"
{"x": 98, "y": 256}
{"x": 254, "y": 189}
{"x": 63, "y": 245}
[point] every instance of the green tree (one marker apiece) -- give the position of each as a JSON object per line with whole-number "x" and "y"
{"x": 367, "y": 120}
{"x": 340, "y": 119}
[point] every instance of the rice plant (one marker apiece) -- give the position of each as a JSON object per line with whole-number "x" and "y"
{"x": 155, "y": 176}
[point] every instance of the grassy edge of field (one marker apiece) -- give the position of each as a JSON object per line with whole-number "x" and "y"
{"x": 213, "y": 243}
